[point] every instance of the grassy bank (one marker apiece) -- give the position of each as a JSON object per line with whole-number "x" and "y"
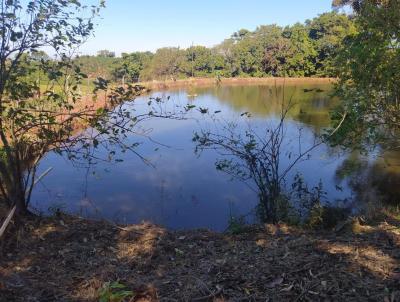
{"x": 204, "y": 82}
{"x": 64, "y": 258}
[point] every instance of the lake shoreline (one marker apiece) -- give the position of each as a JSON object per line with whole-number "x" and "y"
{"x": 67, "y": 258}
{"x": 206, "y": 82}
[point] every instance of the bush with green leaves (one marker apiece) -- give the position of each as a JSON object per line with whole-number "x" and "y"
{"x": 369, "y": 71}
{"x": 115, "y": 292}
{"x": 254, "y": 156}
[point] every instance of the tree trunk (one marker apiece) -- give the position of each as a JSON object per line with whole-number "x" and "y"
{"x": 17, "y": 197}
{"x": 266, "y": 208}
{"x": 21, "y": 208}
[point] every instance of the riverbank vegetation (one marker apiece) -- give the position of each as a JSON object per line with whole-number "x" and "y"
{"x": 307, "y": 49}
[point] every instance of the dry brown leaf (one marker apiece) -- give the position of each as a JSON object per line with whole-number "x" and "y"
{"x": 287, "y": 289}
{"x": 275, "y": 282}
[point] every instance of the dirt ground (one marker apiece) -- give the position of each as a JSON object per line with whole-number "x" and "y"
{"x": 70, "y": 259}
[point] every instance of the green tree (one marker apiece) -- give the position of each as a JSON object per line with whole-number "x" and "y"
{"x": 245, "y": 53}
{"x": 24, "y": 29}
{"x": 167, "y": 63}
{"x": 300, "y": 60}
{"x": 131, "y": 66}
{"x": 328, "y": 32}
{"x": 369, "y": 70}
{"x": 355, "y": 4}
{"x": 266, "y": 37}
{"x": 241, "y": 34}
{"x": 106, "y": 53}
{"x": 199, "y": 61}
{"x": 276, "y": 56}
{"x": 97, "y": 66}
{"x": 225, "y": 51}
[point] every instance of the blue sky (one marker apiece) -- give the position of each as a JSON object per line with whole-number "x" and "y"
{"x": 132, "y": 25}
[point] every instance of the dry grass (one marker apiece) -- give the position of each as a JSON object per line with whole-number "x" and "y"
{"x": 69, "y": 259}
{"x": 205, "y": 82}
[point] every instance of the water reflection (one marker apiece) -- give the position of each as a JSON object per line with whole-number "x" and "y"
{"x": 183, "y": 190}
{"x": 373, "y": 179}
{"x": 311, "y": 103}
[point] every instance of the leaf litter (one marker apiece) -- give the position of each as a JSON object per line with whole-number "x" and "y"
{"x": 70, "y": 259}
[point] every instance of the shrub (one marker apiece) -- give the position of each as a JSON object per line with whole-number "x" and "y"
{"x": 114, "y": 292}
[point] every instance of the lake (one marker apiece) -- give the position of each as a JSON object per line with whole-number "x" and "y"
{"x": 181, "y": 189}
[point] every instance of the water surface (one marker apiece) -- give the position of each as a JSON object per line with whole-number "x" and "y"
{"x": 184, "y": 190}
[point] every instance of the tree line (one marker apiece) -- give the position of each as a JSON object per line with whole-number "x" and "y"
{"x": 306, "y": 49}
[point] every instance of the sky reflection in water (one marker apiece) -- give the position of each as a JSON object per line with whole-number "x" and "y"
{"x": 184, "y": 190}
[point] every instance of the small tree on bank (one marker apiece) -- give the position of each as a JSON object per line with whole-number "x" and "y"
{"x": 35, "y": 118}
{"x": 255, "y": 156}
{"x": 264, "y": 157}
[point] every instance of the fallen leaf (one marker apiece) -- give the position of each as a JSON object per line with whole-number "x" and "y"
{"x": 179, "y": 252}
{"x": 287, "y": 289}
{"x": 275, "y": 282}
